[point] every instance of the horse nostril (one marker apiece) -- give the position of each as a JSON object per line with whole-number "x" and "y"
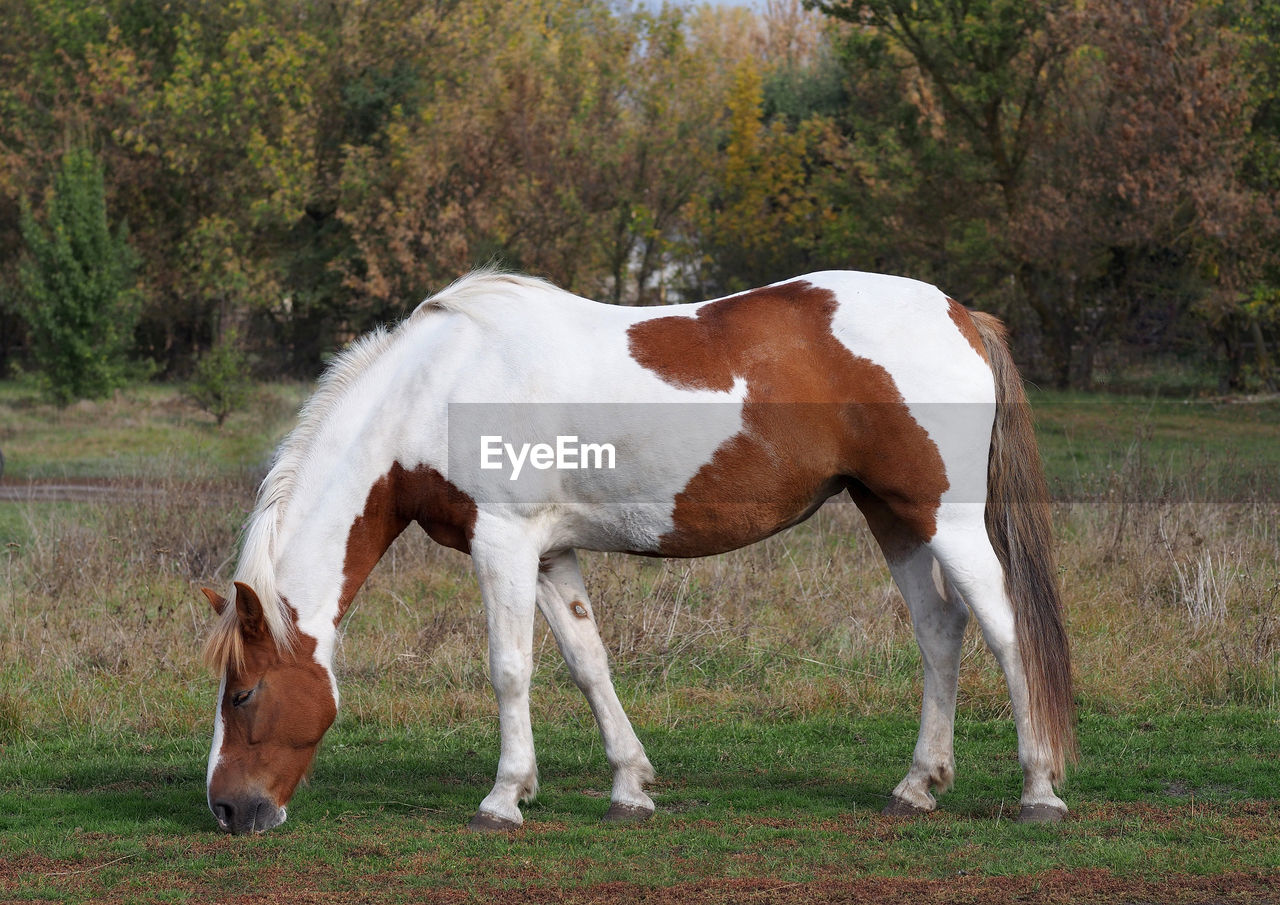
{"x": 255, "y": 814}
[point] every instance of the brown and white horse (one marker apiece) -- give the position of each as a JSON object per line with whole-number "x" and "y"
{"x": 698, "y": 428}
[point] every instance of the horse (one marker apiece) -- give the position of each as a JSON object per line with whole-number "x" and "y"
{"x": 699, "y": 428}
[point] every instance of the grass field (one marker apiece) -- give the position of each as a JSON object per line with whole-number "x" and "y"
{"x": 776, "y": 690}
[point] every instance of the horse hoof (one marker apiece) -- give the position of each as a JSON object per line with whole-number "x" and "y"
{"x": 626, "y": 813}
{"x": 1041, "y": 813}
{"x": 900, "y": 807}
{"x": 484, "y": 822}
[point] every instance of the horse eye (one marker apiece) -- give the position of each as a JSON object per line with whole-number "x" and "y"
{"x": 240, "y": 697}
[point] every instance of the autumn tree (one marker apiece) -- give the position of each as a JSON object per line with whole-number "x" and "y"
{"x": 764, "y": 218}
{"x": 774, "y": 206}
{"x": 297, "y": 172}
{"x": 563, "y": 144}
{"x": 1242, "y": 308}
{"x": 421, "y": 196}
{"x": 1090, "y": 141}
{"x": 1144, "y": 164}
{"x": 665, "y": 155}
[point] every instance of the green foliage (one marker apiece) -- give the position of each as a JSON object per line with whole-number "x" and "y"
{"x": 78, "y": 303}
{"x": 765, "y": 215}
{"x": 1074, "y": 163}
{"x": 989, "y": 62}
{"x": 221, "y": 383}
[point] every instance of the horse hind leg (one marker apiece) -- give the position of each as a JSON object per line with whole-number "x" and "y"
{"x": 939, "y": 621}
{"x": 969, "y": 561}
{"x": 563, "y": 600}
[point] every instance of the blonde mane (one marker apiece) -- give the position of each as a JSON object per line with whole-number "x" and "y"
{"x": 256, "y": 568}
{"x": 465, "y": 294}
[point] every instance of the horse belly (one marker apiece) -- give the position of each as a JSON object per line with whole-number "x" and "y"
{"x": 716, "y": 516}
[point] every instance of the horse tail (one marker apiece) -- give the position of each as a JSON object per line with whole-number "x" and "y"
{"x": 1020, "y": 530}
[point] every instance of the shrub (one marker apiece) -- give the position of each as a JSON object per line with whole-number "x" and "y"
{"x": 220, "y": 383}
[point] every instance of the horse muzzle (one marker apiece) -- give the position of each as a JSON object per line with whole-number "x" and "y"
{"x": 252, "y": 814}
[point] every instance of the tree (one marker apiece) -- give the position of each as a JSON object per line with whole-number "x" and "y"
{"x": 233, "y": 127}
{"x": 1243, "y": 263}
{"x": 78, "y": 303}
{"x": 1139, "y": 180}
{"x": 567, "y": 141}
{"x": 763, "y": 219}
{"x": 1097, "y": 146}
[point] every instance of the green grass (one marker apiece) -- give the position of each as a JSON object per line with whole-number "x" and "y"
{"x": 1221, "y": 449}
{"x": 151, "y": 431}
{"x": 144, "y": 433}
{"x": 1152, "y": 449}
{"x": 796, "y": 801}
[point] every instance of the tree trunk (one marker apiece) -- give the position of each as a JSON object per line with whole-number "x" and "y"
{"x": 1261, "y": 354}
{"x": 1057, "y": 324}
{"x": 1233, "y": 353}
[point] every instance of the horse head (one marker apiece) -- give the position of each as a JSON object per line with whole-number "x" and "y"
{"x": 275, "y": 703}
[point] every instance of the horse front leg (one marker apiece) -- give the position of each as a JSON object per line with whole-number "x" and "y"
{"x": 562, "y": 598}
{"x": 506, "y": 567}
{"x": 939, "y": 622}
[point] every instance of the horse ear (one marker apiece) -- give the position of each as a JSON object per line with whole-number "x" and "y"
{"x": 252, "y": 620}
{"x": 216, "y": 600}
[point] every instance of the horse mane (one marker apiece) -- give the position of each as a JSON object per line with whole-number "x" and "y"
{"x": 466, "y": 294}
{"x": 256, "y": 568}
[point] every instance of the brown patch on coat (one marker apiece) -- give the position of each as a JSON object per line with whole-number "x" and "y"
{"x": 397, "y": 498}
{"x": 815, "y": 415}
{"x": 269, "y": 741}
{"x": 962, "y": 317}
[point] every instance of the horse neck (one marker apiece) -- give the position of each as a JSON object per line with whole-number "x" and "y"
{"x": 346, "y": 497}
{"x": 328, "y": 543}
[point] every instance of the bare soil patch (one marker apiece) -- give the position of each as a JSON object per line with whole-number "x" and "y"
{"x": 1088, "y": 887}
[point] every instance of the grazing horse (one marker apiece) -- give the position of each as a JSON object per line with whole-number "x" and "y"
{"x": 678, "y": 431}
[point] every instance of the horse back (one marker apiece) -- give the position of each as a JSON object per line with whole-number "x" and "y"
{"x": 735, "y": 418}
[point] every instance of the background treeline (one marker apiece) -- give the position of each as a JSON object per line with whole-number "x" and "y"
{"x": 274, "y": 176}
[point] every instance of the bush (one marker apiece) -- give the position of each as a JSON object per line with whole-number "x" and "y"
{"x": 220, "y": 384}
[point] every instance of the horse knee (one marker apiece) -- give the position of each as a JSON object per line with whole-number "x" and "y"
{"x": 509, "y": 673}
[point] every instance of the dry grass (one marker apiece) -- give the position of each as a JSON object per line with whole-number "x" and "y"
{"x": 1170, "y": 603}
{"x": 1182, "y": 609}
{"x": 98, "y": 621}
